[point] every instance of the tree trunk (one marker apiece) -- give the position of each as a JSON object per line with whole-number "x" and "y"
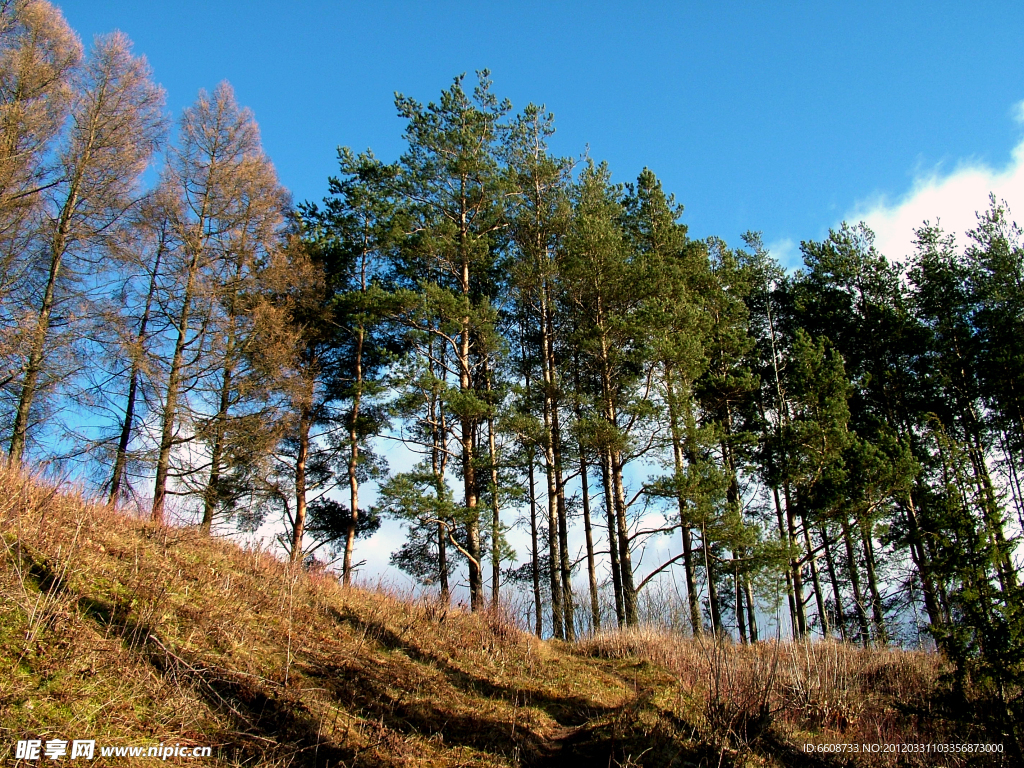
{"x": 834, "y": 579}
{"x": 923, "y": 563}
{"x": 212, "y": 495}
{"x": 790, "y": 592}
{"x": 858, "y": 596}
{"x": 551, "y": 456}
{"x": 741, "y": 619}
{"x": 819, "y": 596}
{"x": 751, "y": 617}
{"x": 877, "y": 615}
{"x": 438, "y": 465}
{"x": 169, "y": 415}
{"x": 299, "y": 524}
{"x": 121, "y": 458}
{"x": 353, "y": 459}
{"x": 568, "y": 606}
{"x": 795, "y": 567}
{"x": 495, "y": 519}
{"x": 442, "y": 563}
{"x": 595, "y": 609}
{"x": 535, "y": 552}
{"x": 468, "y": 425}
{"x": 629, "y": 606}
{"x": 614, "y": 459}
{"x": 613, "y": 547}
{"x": 711, "y": 572}
{"x": 696, "y": 625}
{"x": 34, "y": 366}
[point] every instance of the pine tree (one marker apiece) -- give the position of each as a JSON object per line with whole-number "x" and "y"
{"x": 450, "y": 173}
{"x": 608, "y": 286}
{"x": 357, "y": 231}
{"x": 538, "y": 214}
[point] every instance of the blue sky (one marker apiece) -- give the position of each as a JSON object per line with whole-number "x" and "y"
{"x": 781, "y": 117}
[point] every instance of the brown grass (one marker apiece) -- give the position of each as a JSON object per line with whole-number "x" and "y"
{"x": 751, "y": 698}
{"x": 128, "y": 633}
{"x": 114, "y": 629}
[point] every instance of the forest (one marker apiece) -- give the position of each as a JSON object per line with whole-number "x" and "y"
{"x": 838, "y": 445}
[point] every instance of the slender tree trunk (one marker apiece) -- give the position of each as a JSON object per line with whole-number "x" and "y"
{"x": 741, "y": 619}
{"x": 212, "y": 495}
{"x": 732, "y": 496}
{"x": 551, "y": 456}
{"x": 625, "y": 559}
{"x": 858, "y": 595}
{"x": 819, "y": 595}
{"x": 794, "y": 566}
{"x": 1014, "y": 477}
{"x": 495, "y": 519}
{"x": 613, "y": 547}
{"x": 751, "y": 617}
{"x": 877, "y": 615}
{"x": 595, "y": 609}
{"x": 677, "y": 459}
{"x": 442, "y": 563}
{"x": 614, "y": 460}
{"x": 711, "y": 573}
{"x": 568, "y": 604}
{"x": 58, "y": 249}
{"x": 554, "y": 569}
{"x": 538, "y": 606}
{"x": 353, "y": 457}
{"x": 476, "y": 580}
{"x": 790, "y": 591}
{"x": 170, "y": 411}
{"x": 990, "y": 510}
{"x": 923, "y": 563}
{"x": 438, "y": 465}
{"x": 535, "y": 552}
{"x": 568, "y": 607}
{"x": 833, "y": 575}
{"x": 299, "y": 526}
{"x": 121, "y": 458}
{"x": 794, "y": 580}
{"x": 696, "y": 624}
{"x": 37, "y": 351}
{"x": 468, "y": 425}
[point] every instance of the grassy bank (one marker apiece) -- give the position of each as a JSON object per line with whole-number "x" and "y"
{"x": 116, "y": 630}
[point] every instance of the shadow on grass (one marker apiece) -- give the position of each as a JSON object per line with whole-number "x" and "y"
{"x": 590, "y": 734}
{"x": 270, "y": 722}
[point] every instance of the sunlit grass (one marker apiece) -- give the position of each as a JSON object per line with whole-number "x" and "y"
{"x": 130, "y": 633}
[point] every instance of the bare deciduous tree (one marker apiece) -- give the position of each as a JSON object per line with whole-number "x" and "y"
{"x": 116, "y": 125}
{"x": 38, "y": 55}
{"x": 219, "y": 173}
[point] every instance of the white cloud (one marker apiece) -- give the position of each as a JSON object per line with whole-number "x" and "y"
{"x": 951, "y": 199}
{"x": 786, "y": 251}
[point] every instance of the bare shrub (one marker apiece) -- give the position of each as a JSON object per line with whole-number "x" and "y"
{"x": 821, "y": 691}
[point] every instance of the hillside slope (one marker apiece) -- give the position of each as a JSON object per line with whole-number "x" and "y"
{"x": 115, "y": 630}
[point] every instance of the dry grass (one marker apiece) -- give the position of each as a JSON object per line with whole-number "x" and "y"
{"x": 114, "y": 629}
{"x": 748, "y": 699}
{"x": 129, "y": 633}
